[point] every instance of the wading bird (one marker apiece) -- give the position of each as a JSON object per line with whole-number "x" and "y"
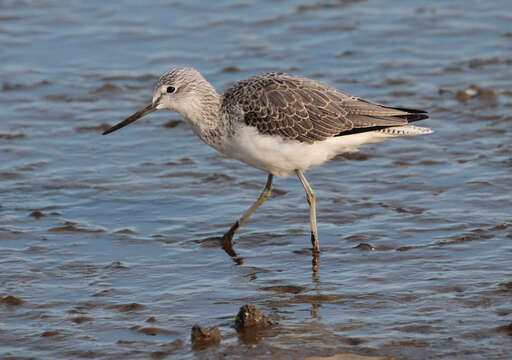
{"x": 279, "y": 123}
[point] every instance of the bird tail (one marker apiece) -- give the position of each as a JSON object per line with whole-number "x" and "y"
{"x": 404, "y": 130}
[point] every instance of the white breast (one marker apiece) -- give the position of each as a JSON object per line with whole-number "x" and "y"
{"x": 282, "y": 157}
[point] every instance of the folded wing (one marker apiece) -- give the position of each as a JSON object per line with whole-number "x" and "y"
{"x": 298, "y": 108}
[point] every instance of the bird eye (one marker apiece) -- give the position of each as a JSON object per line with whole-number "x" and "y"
{"x": 170, "y": 89}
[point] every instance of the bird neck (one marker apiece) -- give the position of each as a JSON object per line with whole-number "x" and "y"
{"x": 203, "y": 113}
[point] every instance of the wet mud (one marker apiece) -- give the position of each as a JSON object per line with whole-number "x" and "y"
{"x": 202, "y": 338}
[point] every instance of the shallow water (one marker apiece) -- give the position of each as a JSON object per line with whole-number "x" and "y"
{"x": 99, "y": 234}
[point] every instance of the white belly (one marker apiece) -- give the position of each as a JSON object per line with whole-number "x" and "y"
{"x": 282, "y": 157}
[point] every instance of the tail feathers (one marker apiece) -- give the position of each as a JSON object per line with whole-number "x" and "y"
{"x": 406, "y": 130}
{"x": 391, "y": 131}
{"x": 387, "y": 122}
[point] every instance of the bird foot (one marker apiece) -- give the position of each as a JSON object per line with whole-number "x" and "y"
{"x": 315, "y": 262}
{"x": 227, "y": 243}
{"x": 314, "y": 242}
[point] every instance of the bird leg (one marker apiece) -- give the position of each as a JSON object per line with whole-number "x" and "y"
{"x": 310, "y": 196}
{"x": 267, "y": 191}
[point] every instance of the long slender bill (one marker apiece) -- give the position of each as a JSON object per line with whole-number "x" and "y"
{"x": 148, "y": 109}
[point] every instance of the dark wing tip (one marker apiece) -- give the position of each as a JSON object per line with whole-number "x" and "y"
{"x": 413, "y": 114}
{"x": 409, "y": 110}
{"x": 414, "y": 117}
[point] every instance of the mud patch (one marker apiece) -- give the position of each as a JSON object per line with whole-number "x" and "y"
{"x": 201, "y": 337}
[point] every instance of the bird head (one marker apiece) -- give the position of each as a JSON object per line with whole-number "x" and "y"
{"x": 180, "y": 90}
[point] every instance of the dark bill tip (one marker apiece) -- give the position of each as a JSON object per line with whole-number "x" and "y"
{"x": 148, "y": 109}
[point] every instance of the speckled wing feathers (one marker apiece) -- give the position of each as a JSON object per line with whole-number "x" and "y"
{"x": 298, "y": 108}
